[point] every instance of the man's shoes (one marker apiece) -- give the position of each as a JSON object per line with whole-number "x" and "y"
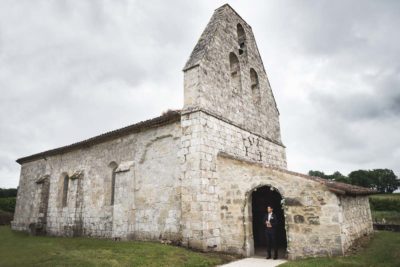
{"x": 276, "y": 257}
{"x": 268, "y": 257}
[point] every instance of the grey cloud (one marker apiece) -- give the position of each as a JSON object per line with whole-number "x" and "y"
{"x": 381, "y": 99}
{"x": 70, "y": 70}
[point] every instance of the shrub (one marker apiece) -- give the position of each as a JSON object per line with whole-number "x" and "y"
{"x": 8, "y": 192}
{"x": 7, "y": 204}
{"x": 5, "y": 217}
{"x": 384, "y": 204}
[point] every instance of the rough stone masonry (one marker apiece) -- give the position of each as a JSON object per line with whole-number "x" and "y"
{"x": 190, "y": 176}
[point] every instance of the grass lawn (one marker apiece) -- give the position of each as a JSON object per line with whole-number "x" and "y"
{"x": 391, "y": 217}
{"x": 382, "y": 251}
{"x": 20, "y": 249}
{"x": 386, "y": 196}
{"x": 385, "y": 206}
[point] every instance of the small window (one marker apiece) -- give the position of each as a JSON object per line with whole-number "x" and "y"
{"x": 65, "y": 190}
{"x": 241, "y": 35}
{"x": 236, "y": 82}
{"x": 255, "y": 87}
{"x": 113, "y": 166}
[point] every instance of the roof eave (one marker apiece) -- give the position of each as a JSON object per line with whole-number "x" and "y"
{"x": 167, "y": 118}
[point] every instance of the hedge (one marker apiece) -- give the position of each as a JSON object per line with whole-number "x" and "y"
{"x": 385, "y": 204}
{"x": 7, "y": 204}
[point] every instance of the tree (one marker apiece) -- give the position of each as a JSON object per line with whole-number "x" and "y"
{"x": 338, "y": 177}
{"x": 8, "y": 192}
{"x": 384, "y": 180}
{"x": 317, "y": 174}
{"x": 361, "y": 178}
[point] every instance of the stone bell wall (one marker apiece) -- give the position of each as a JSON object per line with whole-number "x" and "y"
{"x": 204, "y": 136}
{"x": 355, "y": 218}
{"x": 311, "y": 211}
{"x": 146, "y": 203}
{"x": 208, "y": 82}
{"x": 224, "y": 111}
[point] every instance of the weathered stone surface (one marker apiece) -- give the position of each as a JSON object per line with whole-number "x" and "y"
{"x": 147, "y": 200}
{"x": 355, "y": 218}
{"x": 190, "y": 182}
{"x": 298, "y": 218}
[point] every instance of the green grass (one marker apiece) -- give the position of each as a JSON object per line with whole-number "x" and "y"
{"x": 382, "y": 251}
{"x": 386, "y": 196}
{"x": 20, "y": 249}
{"x": 391, "y": 217}
{"x": 385, "y": 206}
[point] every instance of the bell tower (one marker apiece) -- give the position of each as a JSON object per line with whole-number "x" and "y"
{"x": 225, "y": 76}
{"x": 229, "y": 111}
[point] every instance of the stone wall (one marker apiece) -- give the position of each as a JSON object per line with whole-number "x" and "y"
{"x": 191, "y": 181}
{"x": 203, "y": 137}
{"x": 355, "y": 218}
{"x": 208, "y": 82}
{"x": 311, "y": 210}
{"x": 147, "y": 199}
{"x": 225, "y": 110}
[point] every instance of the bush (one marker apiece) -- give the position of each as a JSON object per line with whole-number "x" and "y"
{"x": 5, "y": 217}
{"x": 7, "y": 204}
{"x": 391, "y": 217}
{"x": 8, "y": 192}
{"x": 384, "y": 204}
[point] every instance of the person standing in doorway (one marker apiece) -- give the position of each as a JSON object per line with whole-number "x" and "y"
{"x": 270, "y": 222}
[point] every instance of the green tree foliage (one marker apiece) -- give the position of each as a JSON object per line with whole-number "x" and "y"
{"x": 336, "y": 176}
{"x": 317, "y": 174}
{"x": 382, "y": 180}
{"x": 7, "y": 199}
{"x": 385, "y": 204}
{"x": 385, "y": 181}
{"x": 361, "y": 178}
{"x": 9, "y": 192}
{"x": 7, "y": 204}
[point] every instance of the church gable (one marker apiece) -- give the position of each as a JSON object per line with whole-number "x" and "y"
{"x": 225, "y": 75}
{"x": 200, "y": 177}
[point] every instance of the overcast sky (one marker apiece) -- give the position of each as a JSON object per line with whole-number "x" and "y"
{"x": 70, "y": 70}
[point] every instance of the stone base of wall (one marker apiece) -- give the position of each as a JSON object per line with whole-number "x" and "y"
{"x": 23, "y": 227}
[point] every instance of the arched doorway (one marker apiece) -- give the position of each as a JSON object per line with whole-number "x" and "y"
{"x": 261, "y": 198}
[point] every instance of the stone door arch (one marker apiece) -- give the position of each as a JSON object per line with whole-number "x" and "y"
{"x": 257, "y": 199}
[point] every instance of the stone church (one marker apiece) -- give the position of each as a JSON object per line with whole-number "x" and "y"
{"x": 200, "y": 177}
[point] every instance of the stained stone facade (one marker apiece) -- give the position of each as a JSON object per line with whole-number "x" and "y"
{"x": 189, "y": 176}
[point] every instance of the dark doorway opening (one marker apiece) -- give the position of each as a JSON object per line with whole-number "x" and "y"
{"x": 261, "y": 198}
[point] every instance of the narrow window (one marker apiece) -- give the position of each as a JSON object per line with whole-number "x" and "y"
{"x": 255, "y": 87}
{"x": 65, "y": 190}
{"x": 236, "y": 82}
{"x": 241, "y": 35}
{"x": 113, "y": 166}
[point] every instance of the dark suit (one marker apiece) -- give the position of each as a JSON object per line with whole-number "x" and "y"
{"x": 270, "y": 233}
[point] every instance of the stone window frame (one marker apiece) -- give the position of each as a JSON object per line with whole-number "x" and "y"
{"x": 255, "y": 86}
{"x": 42, "y": 183}
{"x": 64, "y": 200}
{"x": 113, "y": 166}
{"x": 241, "y": 39}
{"x": 235, "y": 74}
